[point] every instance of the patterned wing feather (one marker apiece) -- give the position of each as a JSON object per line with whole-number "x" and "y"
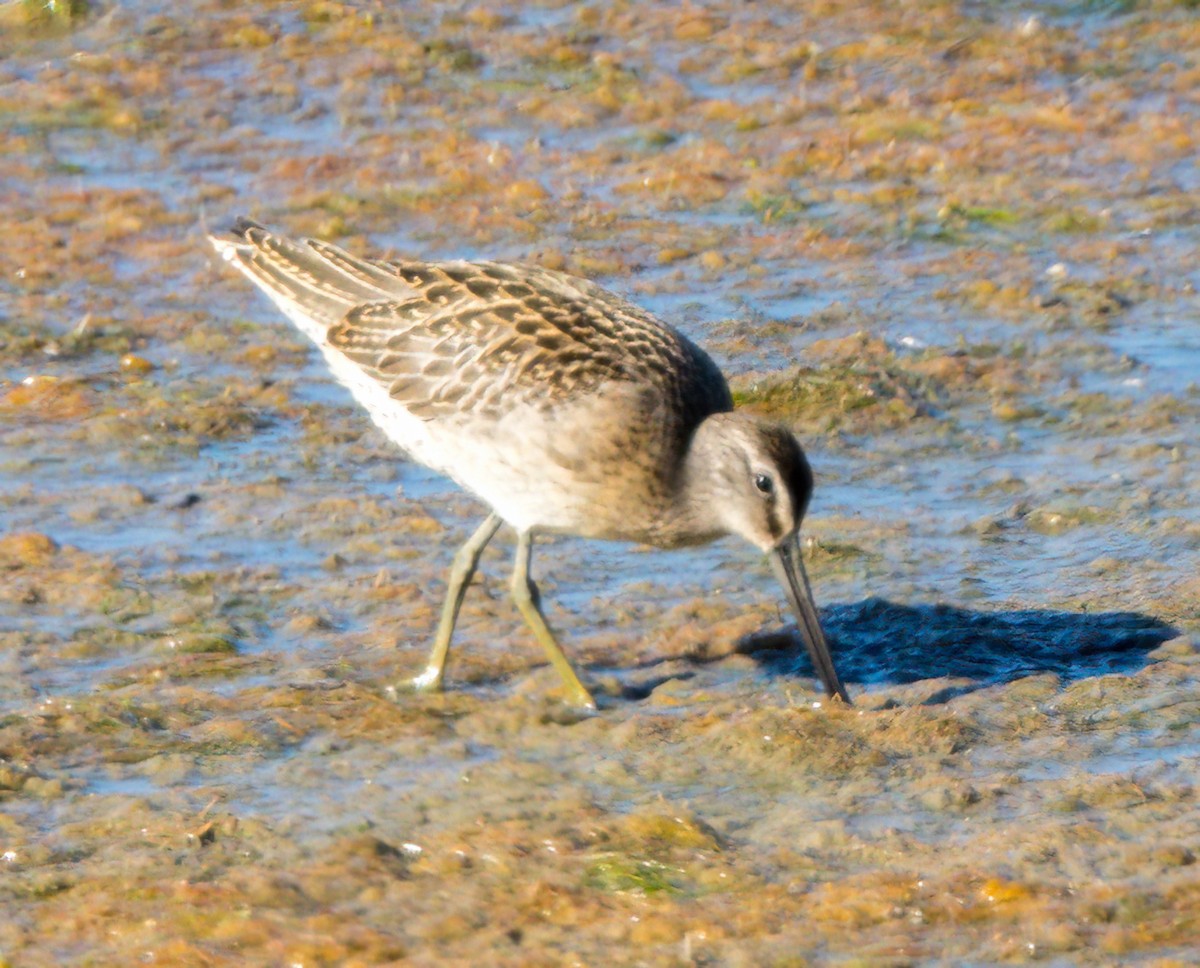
{"x": 309, "y": 275}
{"x": 451, "y": 339}
{"x": 484, "y": 338}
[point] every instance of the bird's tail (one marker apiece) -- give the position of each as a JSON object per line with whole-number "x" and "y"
{"x": 314, "y": 283}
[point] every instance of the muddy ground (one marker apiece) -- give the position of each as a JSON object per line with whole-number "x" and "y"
{"x": 955, "y": 244}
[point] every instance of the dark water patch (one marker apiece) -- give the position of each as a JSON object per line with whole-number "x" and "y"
{"x": 878, "y": 642}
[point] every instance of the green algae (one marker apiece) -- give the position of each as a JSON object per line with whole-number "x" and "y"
{"x": 853, "y": 394}
{"x": 43, "y": 16}
{"x": 617, "y": 874}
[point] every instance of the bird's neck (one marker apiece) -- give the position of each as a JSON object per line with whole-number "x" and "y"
{"x": 692, "y": 516}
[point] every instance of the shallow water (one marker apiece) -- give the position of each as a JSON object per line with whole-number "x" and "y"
{"x": 956, "y": 247}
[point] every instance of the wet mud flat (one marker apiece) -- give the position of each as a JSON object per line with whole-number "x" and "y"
{"x": 954, "y": 245}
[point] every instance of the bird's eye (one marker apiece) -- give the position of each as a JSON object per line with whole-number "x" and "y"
{"x": 764, "y": 483}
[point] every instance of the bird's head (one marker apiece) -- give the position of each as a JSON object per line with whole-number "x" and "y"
{"x": 756, "y": 483}
{"x": 754, "y": 476}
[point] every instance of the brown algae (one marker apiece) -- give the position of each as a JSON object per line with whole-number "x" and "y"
{"x": 955, "y": 249}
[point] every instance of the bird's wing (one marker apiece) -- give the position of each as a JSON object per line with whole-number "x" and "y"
{"x": 463, "y": 338}
{"x": 484, "y": 338}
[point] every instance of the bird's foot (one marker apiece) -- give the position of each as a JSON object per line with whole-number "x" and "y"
{"x": 587, "y": 703}
{"x": 428, "y": 681}
{"x": 579, "y": 699}
{"x": 567, "y": 714}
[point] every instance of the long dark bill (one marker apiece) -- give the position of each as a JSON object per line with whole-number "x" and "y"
{"x": 790, "y": 570}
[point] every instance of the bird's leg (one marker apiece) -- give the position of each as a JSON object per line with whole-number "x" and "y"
{"x": 461, "y": 571}
{"x": 525, "y": 594}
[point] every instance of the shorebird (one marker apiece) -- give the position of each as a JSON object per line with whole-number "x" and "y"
{"x": 560, "y": 405}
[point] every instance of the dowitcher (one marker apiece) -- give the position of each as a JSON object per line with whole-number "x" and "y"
{"x": 563, "y": 407}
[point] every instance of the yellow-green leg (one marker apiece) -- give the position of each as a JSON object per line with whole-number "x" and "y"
{"x": 465, "y": 562}
{"x": 525, "y": 594}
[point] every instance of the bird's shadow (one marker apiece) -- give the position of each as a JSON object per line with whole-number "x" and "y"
{"x": 877, "y": 642}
